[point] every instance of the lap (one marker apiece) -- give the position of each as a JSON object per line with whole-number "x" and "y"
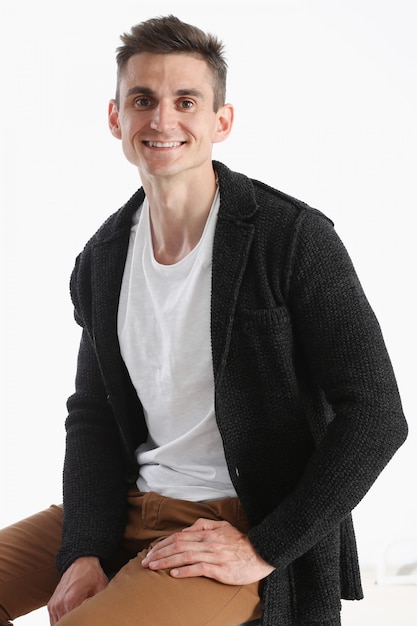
{"x": 141, "y": 596}
{"x": 28, "y": 575}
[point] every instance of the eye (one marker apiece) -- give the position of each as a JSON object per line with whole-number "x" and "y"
{"x": 143, "y": 102}
{"x": 186, "y": 104}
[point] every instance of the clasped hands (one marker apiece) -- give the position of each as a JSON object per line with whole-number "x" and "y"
{"x": 214, "y": 549}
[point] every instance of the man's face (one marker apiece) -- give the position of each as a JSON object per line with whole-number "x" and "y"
{"x": 165, "y": 116}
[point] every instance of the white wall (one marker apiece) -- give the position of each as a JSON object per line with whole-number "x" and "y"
{"x": 325, "y": 94}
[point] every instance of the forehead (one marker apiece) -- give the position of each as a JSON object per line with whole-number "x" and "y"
{"x": 166, "y": 71}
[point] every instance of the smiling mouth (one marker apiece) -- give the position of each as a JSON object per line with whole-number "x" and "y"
{"x": 164, "y": 144}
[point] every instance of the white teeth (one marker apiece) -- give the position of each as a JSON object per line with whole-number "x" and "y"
{"x": 168, "y": 144}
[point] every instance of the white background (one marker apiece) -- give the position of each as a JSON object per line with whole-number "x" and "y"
{"x": 325, "y": 93}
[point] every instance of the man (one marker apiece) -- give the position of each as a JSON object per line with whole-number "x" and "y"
{"x": 234, "y": 398}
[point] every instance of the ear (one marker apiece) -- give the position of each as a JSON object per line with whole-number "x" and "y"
{"x": 113, "y": 119}
{"x": 225, "y": 116}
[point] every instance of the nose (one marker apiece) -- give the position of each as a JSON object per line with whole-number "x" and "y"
{"x": 163, "y": 117}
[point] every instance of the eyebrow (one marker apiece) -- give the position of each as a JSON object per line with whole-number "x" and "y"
{"x": 139, "y": 89}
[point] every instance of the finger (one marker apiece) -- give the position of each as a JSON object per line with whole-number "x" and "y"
{"x": 208, "y": 570}
{"x": 193, "y": 554}
{"x": 176, "y": 543}
{"x": 53, "y": 617}
{"x": 172, "y": 555}
{"x": 204, "y": 524}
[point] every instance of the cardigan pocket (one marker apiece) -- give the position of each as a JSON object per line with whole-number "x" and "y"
{"x": 265, "y": 342}
{"x": 252, "y": 319}
{"x": 267, "y": 331}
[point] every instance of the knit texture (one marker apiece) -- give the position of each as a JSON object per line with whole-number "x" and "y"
{"x": 306, "y": 399}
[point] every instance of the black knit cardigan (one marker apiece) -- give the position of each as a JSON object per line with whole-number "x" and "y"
{"x": 305, "y": 396}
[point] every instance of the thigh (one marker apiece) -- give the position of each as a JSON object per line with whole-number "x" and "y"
{"x": 28, "y": 575}
{"x": 138, "y": 596}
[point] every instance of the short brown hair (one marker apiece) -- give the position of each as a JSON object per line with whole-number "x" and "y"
{"x": 164, "y": 35}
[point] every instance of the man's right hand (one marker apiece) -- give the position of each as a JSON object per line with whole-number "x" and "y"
{"x": 82, "y": 580}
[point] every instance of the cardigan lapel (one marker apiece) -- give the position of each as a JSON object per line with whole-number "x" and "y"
{"x": 231, "y": 248}
{"x": 107, "y": 267}
{"x": 108, "y": 260}
{"x": 230, "y": 253}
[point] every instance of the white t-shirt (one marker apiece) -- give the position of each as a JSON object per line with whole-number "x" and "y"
{"x": 164, "y": 334}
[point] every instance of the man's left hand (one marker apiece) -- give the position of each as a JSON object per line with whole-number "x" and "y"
{"x": 209, "y": 548}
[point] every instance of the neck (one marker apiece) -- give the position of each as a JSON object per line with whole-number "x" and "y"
{"x": 178, "y": 214}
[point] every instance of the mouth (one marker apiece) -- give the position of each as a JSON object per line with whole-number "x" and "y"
{"x": 164, "y": 144}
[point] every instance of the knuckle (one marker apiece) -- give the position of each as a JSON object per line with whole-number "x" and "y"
{"x": 189, "y": 556}
{"x": 178, "y": 537}
{"x": 205, "y": 568}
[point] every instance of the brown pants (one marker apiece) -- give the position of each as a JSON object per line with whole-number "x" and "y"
{"x": 135, "y": 596}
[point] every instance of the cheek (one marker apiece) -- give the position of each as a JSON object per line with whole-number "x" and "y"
{"x": 126, "y": 129}
{"x": 128, "y": 147}
{"x": 129, "y": 132}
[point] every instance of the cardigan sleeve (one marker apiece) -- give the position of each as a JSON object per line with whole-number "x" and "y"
{"x": 94, "y": 486}
{"x": 345, "y": 355}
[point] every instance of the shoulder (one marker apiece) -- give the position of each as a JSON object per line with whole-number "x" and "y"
{"x": 117, "y": 222}
{"x": 249, "y": 198}
{"x": 284, "y": 209}
{"x": 116, "y": 226}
